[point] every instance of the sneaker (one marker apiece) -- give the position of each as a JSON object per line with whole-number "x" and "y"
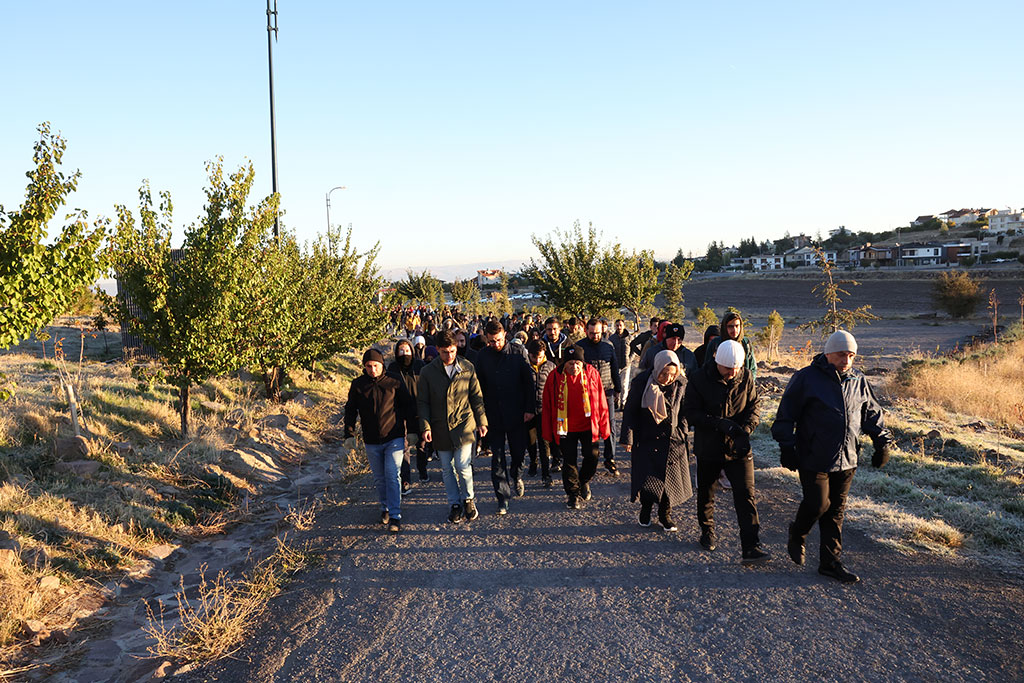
{"x": 795, "y": 547}
{"x": 667, "y": 523}
{"x": 520, "y": 488}
{"x": 395, "y": 525}
{"x": 424, "y": 477}
{"x": 707, "y": 540}
{"x": 503, "y": 508}
{"x": 547, "y": 482}
{"x": 556, "y": 466}
{"x": 384, "y": 517}
{"x": 585, "y": 492}
{"x": 533, "y": 468}
{"x": 574, "y": 503}
{"x": 645, "y": 517}
{"x": 470, "y": 510}
{"x": 406, "y": 486}
{"x": 455, "y": 516}
{"x": 755, "y": 555}
{"x": 839, "y": 572}
{"x": 612, "y": 468}
{"x": 724, "y": 482}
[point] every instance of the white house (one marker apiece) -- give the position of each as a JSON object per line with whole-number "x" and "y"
{"x": 921, "y": 254}
{"x": 1002, "y": 221}
{"x": 491, "y": 276}
{"x": 768, "y": 262}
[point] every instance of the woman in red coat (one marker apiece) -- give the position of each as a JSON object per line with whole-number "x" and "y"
{"x": 575, "y": 412}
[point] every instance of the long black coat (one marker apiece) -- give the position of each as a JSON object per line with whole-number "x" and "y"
{"x": 710, "y": 398}
{"x": 660, "y": 454}
{"x": 508, "y": 386}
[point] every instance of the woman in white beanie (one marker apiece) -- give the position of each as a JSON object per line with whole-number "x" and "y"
{"x": 654, "y": 431}
{"x": 721, "y": 405}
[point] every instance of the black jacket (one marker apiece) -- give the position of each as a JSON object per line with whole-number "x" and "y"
{"x": 684, "y": 354}
{"x": 507, "y": 383}
{"x": 620, "y": 342}
{"x": 409, "y": 374}
{"x": 602, "y": 356}
{"x": 822, "y": 414}
{"x": 637, "y": 345}
{"x": 708, "y": 399}
{"x": 557, "y": 350}
{"x": 383, "y": 405}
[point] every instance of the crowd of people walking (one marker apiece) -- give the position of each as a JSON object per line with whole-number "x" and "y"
{"x": 517, "y": 387}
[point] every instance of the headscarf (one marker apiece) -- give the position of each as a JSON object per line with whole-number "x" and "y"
{"x": 654, "y": 398}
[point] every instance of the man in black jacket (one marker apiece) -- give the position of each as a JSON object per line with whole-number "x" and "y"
{"x": 601, "y": 354}
{"x": 636, "y": 346}
{"x": 406, "y": 367}
{"x": 510, "y": 403}
{"x": 388, "y": 415}
{"x": 825, "y": 408}
{"x": 721, "y": 405}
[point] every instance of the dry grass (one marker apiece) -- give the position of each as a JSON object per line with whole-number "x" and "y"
{"x": 213, "y": 622}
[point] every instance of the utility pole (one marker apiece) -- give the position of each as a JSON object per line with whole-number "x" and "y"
{"x": 273, "y": 130}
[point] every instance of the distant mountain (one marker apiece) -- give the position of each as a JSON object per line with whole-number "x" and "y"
{"x": 461, "y": 271}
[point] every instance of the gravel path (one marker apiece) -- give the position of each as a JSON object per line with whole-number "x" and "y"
{"x": 552, "y": 594}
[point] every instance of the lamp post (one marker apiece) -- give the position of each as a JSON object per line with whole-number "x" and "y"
{"x": 340, "y": 187}
{"x": 272, "y": 32}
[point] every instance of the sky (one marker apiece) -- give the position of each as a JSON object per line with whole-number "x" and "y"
{"x": 460, "y": 129}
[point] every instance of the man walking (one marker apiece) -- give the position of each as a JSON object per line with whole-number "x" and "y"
{"x": 721, "y": 404}
{"x": 510, "y": 402}
{"x": 601, "y": 355}
{"x": 672, "y": 340}
{"x": 825, "y": 408}
{"x": 620, "y": 342}
{"x": 451, "y": 407}
{"x": 388, "y": 415}
{"x": 556, "y": 342}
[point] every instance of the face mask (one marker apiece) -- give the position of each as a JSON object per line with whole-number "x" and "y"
{"x": 406, "y": 361}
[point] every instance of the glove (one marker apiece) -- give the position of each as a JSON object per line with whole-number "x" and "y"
{"x": 787, "y": 457}
{"x": 881, "y": 454}
{"x": 411, "y": 440}
{"x": 740, "y": 444}
{"x": 727, "y": 426}
{"x": 349, "y": 443}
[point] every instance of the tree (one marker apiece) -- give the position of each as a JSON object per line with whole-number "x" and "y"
{"x": 748, "y": 248}
{"x": 957, "y": 293}
{"x": 189, "y": 306}
{"x": 993, "y": 307}
{"x": 830, "y": 291}
{"x": 633, "y": 279}
{"x": 672, "y": 290}
{"x": 38, "y": 281}
{"x": 421, "y": 287}
{"x": 770, "y": 335}
{"x": 714, "y": 259}
{"x": 568, "y": 273}
{"x": 467, "y": 295}
{"x": 502, "y": 300}
{"x": 706, "y": 317}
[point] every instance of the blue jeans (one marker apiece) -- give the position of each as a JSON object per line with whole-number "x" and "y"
{"x": 457, "y": 473}
{"x": 386, "y": 463}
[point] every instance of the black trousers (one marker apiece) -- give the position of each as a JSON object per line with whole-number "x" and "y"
{"x": 572, "y": 478}
{"x": 421, "y": 463}
{"x": 825, "y": 503}
{"x": 609, "y": 443}
{"x": 740, "y": 474}
{"x": 648, "y": 499}
{"x": 538, "y": 446}
{"x": 506, "y": 470}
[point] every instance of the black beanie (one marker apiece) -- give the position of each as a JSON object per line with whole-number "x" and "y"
{"x": 373, "y": 354}
{"x": 576, "y": 353}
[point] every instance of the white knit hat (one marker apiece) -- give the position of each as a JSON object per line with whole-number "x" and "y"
{"x": 841, "y": 340}
{"x": 730, "y": 354}
{"x": 418, "y": 339}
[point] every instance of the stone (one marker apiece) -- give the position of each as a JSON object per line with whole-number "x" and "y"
{"x": 162, "y": 551}
{"x": 276, "y": 421}
{"x": 934, "y": 434}
{"x": 49, "y": 583}
{"x": 33, "y": 626}
{"x": 79, "y": 468}
{"x": 36, "y": 558}
{"x": 123, "y": 448}
{"x": 74, "y": 448}
{"x": 8, "y": 542}
{"x": 8, "y": 559}
{"x": 874, "y": 372}
{"x": 303, "y": 400}
{"x": 784, "y": 370}
{"x": 165, "y": 669}
{"x": 250, "y": 464}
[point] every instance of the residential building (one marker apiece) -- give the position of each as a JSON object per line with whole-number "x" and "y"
{"x": 806, "y": 256}
{"x": 488, "y": 277}
{"x": 921, "y": 254}
{"x": 921, "y": 220}
{"x": 1003, "y": 221}
{"x": 768, "y": 262}
{"x": 874, "y": 254}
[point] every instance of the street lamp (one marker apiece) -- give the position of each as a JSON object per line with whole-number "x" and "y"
{"x": 340, "y": 187}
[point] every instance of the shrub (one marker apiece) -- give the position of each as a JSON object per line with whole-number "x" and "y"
{"x": 957, "y": 293}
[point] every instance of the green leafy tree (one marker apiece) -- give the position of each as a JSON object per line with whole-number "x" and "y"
{"x": 467, "y": 295}
{"x": 421, "y": 288}
{"x": 831, "y": 292}
{"x": 632, "y": 279}
{"x": 672, "y": 290}
{"x": 502, "y": 300}
{"x": 706, "y": 316}
{"x": 957, "y": 293}
{"x": 568, "y": 273}
{"x": 39, "y": 281}
{"x": 189, "y": 306}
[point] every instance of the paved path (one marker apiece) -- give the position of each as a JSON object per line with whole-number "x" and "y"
{"x": 552, "y": 594}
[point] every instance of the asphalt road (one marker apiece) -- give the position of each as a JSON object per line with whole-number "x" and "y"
{"x": 548, "y": 594}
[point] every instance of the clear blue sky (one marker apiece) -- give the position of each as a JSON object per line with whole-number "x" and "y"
{"x": 460, "y": 128}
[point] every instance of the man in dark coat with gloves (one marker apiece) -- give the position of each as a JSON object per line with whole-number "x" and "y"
{"x": 406, "y": 367}
{"x": 654, "y": 431}
{"x": 721, "y": 404}
{"x": 825, "y": 408}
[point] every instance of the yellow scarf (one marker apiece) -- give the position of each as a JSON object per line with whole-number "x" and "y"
{"x": 562, "y": 401}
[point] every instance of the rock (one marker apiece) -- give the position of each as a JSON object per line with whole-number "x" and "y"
{"x": 934, "y": 434}
{"x": 36, "y": 558}
{"x": 8, "y": 559}
{"x": 247, "y": 376}
{"x": 33, "y": 626}
{"x": 978, "y": 426}
{"x": 303, "y": 400}
{"x": 49, "y": 583}
{"x": 8, "y": 542}
{"x": 213, "y": 406}
{"x": 161, "y": 552}
{"x": 247, "y": 464}
{"x": 74, "y": 448}
{"x": 275, "y": 421}
{"x": 79, "y": 468}
{"x": 874, "y": 372}
{"x": 164, "y": 670}
{"x": 123, "y": 448}
{"x": 784, "y": 370}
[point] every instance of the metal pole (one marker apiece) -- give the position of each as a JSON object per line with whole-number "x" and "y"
{"x": 340, "y": 187}
{"x": 273, "y": 130}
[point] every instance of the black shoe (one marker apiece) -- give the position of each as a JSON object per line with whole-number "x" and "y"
{"x": 556, "y": 466}
{"x": 795, "y": 546}
{"x": 839, "y": 572}
{"x": 547, "y": 482}
{"x": 533, "y": 468}
{"x": 707, "y": 540}
{"x": 667, "y": 523}
{"x": 585, "y": 492}
{"x": 455, "y": 516}
{"x": 574, "y": 503}
{"x": 755, "y": 555}
{"x": 424, "y": 477}
{"x": 470, "y": 510}
{"x": 384, "y": 517}
{"x": 502, "y": 507}
{"x": 520, "y": 488}
{"x": 645, "y": 516}
{"x": 394, "y": 526}
{"x": 612, "y": 468}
